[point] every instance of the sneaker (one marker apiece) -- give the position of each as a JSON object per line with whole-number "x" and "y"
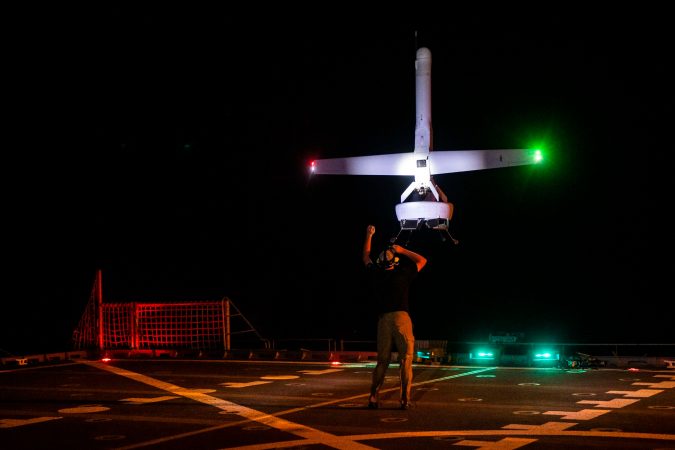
{"x": 405, "y": 405}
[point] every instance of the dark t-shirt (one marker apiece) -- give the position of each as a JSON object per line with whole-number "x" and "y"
{"x": 390, "y": 288}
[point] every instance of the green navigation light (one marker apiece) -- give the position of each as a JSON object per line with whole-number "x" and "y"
{"x": 538, "y": 157}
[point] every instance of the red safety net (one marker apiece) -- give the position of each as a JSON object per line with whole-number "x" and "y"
{"x": 199, "y": 325}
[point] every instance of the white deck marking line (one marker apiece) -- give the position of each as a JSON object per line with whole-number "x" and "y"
{"x": 614, "y": 403}
{"x": 662, "y": 384}
{"x": 280, "y": 413}
{"x": 458, "y": 375}
{"x": 671, "y": 377}
{"x": 584, "y": 414}
{"x": 311, "y": 435}
{"x": 642, "y": 393}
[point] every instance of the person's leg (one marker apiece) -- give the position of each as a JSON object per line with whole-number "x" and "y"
{"x": 405, "y": 344}
{"x": 384, "y": 345}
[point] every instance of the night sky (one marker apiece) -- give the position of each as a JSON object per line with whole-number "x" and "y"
{"x": 170, "y": 149}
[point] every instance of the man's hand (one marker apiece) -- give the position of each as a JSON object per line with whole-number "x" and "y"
{"x": 370, "y": 231}
{"x": 397, "y": 248}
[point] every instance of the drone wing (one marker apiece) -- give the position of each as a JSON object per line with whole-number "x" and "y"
{"x": 467, "y": 160}
{"x": 390, "y": 164}
{"x": 439, "y": 162}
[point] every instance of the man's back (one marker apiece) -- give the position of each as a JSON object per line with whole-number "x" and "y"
{"x": 390, "y": 288}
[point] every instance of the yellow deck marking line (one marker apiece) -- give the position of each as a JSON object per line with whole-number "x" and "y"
{"x": 84, "y": 409}
{"x": 241, "y": 422}
{"x": 38, "y": 367}
{"x": 536, "y": 431}
{"x": 558, "y": 429}
{"x": 349, "y": 441}
{"x": 280, "y": 377}
{"x": 319, "y": 372}
{"x": 453, "y": 433}
{"x": 503, "y": 444}
{"x": 11, "y": 423}
{"x": 145, "y": 400}
{"x": 308, "y": 433}
{"x": 235, "y": 385}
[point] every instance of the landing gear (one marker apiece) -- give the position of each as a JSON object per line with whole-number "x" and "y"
{"x": 432, "y": 227}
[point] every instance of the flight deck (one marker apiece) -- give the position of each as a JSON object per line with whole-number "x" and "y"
{"x": 243, "y": 404}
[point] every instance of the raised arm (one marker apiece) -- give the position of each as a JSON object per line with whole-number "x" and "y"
{"x": 370, "y": 231}
{"x": 419, "y": 260}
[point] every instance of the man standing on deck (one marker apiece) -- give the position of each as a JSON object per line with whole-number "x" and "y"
{"x": 390, "y": 279}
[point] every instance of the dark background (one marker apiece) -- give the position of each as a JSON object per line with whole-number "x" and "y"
{"x": 169, "y": 148}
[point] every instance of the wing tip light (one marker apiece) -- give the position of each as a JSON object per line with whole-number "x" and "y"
{"x": 537, "y": 156}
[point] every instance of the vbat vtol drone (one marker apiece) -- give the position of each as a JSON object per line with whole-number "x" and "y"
{"x": 423, "y": 203}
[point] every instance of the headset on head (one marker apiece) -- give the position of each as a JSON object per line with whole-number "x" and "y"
{"x": 387, "y": 258}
